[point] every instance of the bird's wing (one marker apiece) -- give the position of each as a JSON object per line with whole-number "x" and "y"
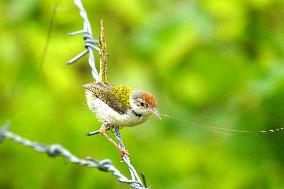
{"x": 104, "y": 93}
{"x": 122, "y": 94}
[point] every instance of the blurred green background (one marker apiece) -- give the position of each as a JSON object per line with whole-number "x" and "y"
{"x": 215, "y": 63}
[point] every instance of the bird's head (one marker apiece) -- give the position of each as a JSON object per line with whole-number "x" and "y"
{"x": 144, "y": 103}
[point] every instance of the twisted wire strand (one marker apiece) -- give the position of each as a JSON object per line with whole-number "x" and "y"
{"x": 133, "y": 172}
{"x": 57, "y": 150}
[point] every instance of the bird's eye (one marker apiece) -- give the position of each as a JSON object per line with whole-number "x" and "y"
{"x": 143, "y": 104}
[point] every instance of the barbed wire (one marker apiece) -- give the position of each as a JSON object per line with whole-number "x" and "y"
{"x": 55, "y": 150}
{"x": 90, "y": 45}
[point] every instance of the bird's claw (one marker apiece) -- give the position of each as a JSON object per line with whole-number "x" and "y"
{"x": 123, "y": 152}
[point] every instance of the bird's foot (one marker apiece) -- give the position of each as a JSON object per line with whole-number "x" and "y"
{"x": 123, "y": 152}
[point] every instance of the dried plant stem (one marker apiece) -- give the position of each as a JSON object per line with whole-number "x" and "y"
{"x": 103, "y": 56}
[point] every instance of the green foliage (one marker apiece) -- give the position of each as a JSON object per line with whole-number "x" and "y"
{"x": 218, "y": 63}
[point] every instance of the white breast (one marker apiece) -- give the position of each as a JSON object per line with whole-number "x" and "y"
{"x": 107, "y": 115}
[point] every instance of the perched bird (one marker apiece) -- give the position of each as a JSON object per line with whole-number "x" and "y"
{"x": 119, "y": 106}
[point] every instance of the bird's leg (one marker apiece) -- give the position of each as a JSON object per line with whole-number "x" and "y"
{"x": 121, "y": 149}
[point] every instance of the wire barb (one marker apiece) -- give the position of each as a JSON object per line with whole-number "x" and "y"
{"x": 89, "y": 43}
{"x": 144, "y": 179}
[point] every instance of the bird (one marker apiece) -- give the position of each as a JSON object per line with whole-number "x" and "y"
{"x": 116, "y": 106}
{"x": 119, "y": 106}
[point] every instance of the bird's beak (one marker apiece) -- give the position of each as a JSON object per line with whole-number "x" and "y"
{"x": 155, "y": 111}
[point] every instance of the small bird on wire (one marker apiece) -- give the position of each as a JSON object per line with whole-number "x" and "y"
{"x": 117, "y": 106}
